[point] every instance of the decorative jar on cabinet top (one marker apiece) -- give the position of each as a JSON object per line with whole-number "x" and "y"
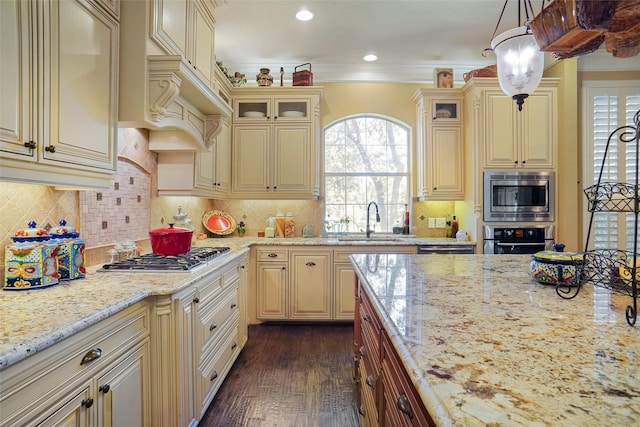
{"x": 264, "y": 78}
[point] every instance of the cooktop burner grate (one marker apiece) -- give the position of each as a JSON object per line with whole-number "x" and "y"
{"x": 153, "y": 262}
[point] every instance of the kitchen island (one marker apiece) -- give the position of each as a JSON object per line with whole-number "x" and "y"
{"x": 484, "y": 344}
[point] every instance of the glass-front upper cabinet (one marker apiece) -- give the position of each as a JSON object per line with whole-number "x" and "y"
{"x": 271, "y": 109}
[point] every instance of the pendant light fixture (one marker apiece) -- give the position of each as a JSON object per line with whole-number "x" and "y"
{"x": 520, "y": 61}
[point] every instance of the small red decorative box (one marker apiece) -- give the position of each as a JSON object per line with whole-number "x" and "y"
{"x": 304, "y": 77}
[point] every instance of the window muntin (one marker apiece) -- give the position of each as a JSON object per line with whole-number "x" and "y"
{"x": 366, "y": 158}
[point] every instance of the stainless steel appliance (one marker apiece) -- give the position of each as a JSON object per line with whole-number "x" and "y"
{"x": 514, "y": 239}
{"x": 445, "y": 249}
{"x": 519, "y": 196}
{"x": 191, "y": 261}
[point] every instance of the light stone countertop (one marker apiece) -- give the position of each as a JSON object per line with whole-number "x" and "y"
{"x": 32, "y": 320}
{"x": 484, "y": 344}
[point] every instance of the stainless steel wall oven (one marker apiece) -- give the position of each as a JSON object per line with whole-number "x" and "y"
{"x": 519, "y": 196}
{"x": 517, "y": 239}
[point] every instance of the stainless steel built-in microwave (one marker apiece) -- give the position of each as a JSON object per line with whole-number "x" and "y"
{"x": 519, "y": 196}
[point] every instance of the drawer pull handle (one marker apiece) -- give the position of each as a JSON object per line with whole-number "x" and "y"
{"x": 30, "y": 144}
{"x": 363, "y": 351}
{"x": 105, "y": 388}
{"x": 367, "y": 317}
{"x": 213, "y": 326}
{"x": 273, "y": 255}
{"x": 87, "y": 403}
{"x": 233, "y": 305}
{"x": 213, "y": 376}
{"x": 310, "y": 264}
{"x": 370, "y": 381}
{"x": 234, "y": 345}
{"x": 91, "y": 355}
{"x": 50, "y": 148}
{"x": 361, "y": 410}
{"x": 404, "y": 405}
{"x": 196, "y": 300}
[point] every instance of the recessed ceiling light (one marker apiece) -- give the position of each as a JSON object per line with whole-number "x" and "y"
{"x": 304, "y": 15}
{"x": 370, "y": 57}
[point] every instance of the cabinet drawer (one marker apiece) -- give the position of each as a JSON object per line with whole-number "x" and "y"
{"x": 217, "y": 366}
{"x": 48, "y": 375}
{"x": 214, "y": 316}
{"x": 272, "y": 254}
{"x": 368, "y": 408}
{"x": 400, "y": 397}
{"x": 370, "y": 330}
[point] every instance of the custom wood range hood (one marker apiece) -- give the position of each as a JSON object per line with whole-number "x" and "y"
{"x": 181, "y": 105}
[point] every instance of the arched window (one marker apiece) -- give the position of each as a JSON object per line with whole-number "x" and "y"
{"x": 366, "y": 158}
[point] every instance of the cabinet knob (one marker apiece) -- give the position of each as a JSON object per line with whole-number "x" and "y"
{"x": 234, "y": 345}
{"x": 367, "y": 317}
{"x": 524, "y": 161}
{"x": 213, "y": 376}
{"x": 213, "y": 326}
{"x": 404, "y": 405}
{"x": 310, "y": 264}
{"x": 515, "y": 162}
{"x": 30, "y": 144}
{"x": 275, "y": 187}
{"x": 196, "y": 300}
{"x": 105, "y": 388}
{"x": 50, "y": 148}
{"x": 87, "y": 403}
{"x": 91, "y": 355}
{"x": 268, "y": 187}
{"x": 363, "y": 351}
{"x": 233, "y": 305}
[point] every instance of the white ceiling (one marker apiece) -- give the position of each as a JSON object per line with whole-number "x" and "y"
{"x": 410, "y": 37}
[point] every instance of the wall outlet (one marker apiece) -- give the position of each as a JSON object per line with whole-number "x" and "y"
{"x": 432, "y": 222}
{"x": 441, "y": 222}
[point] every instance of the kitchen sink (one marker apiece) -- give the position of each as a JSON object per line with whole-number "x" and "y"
{"x": 372, "y": 238}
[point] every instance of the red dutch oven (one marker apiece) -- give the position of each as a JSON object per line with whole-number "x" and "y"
{"x": 170, "y": 241}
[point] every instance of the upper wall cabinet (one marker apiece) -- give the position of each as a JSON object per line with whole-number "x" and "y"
{"x": 275, "y": 143}
{"x": 59, "y": 79}
{"x": 439, "y": 141}
{"x": 168, "y": 74}
{"x": 513, "y": 139}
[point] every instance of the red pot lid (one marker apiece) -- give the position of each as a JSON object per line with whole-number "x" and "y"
{"x": 170, "y": 230}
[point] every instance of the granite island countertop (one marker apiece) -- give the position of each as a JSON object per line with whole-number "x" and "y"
{"x": 486, "y": 345}
{"x": 32, "y": 320}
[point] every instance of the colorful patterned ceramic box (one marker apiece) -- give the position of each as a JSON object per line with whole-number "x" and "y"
{"x": 70, "y": 258}
{"x": 30, "y": 265}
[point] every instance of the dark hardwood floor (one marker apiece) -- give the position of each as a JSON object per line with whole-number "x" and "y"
{"x": 289, "y": 375}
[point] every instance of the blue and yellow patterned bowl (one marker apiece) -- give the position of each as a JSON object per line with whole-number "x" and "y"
{"x": 556, "y": 268}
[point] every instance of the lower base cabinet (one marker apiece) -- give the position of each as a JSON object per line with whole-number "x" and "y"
{"x": 99, "y": 376}
{"x": 386, "y": 397}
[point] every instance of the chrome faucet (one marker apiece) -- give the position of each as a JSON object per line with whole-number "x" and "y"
{"x": 369, "y": 231}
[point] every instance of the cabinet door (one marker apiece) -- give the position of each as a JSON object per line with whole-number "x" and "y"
{"x": 310, "y": 285}
{"x": 502, "y": 139}
{"x": 537, "y": 124}
{"x": 272, "y": 286}
{"x": 344, "y": 291}
{"x": 16, "y": 84}
{"x": 292, "y": 109}
{"x": 80, "y": 93}
{"x": 75, "y": 411}
{"x": 202, "y": 33}
{"x": 170, "y": 25}
{"x": 292, "y": 159}
{"x": 447, "y": 163}
{"x": 123, "y": 391}
{"x": 223, "y": 159}
{"x": 251, "y": 158}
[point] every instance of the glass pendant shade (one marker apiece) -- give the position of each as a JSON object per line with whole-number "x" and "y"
{"x": 520, "y": 63}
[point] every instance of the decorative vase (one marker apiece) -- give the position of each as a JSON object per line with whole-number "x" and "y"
{"x": 264, "y": 78}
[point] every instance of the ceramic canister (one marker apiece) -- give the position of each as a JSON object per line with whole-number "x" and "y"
{"x": 30, "y": 265}
{"x": 70, "y": 258}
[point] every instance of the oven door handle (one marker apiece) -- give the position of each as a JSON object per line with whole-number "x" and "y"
{"x": 519, "y": 244}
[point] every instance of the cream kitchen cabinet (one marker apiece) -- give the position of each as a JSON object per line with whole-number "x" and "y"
{"x": 198, "y": 336}
{"x": 440, "y": 142}
{"x": 513, "y": 139}
{"x": 59, "y": 125}
{"x": 294, "y": 283}
{"x": 201, "y": 174}
{"x": 311, "y": 290}
{"x": 97, "y": 377}
{"x": 275, "y": 143}
{"x": 187, "y": 28}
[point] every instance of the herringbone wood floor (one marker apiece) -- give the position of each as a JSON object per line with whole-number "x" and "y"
{"x": 289, "y": 375}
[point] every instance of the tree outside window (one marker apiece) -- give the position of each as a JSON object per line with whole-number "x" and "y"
{"x": 366, "y": 158}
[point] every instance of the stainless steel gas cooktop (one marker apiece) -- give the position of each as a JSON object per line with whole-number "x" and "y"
{"x": 197, "y": 257}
